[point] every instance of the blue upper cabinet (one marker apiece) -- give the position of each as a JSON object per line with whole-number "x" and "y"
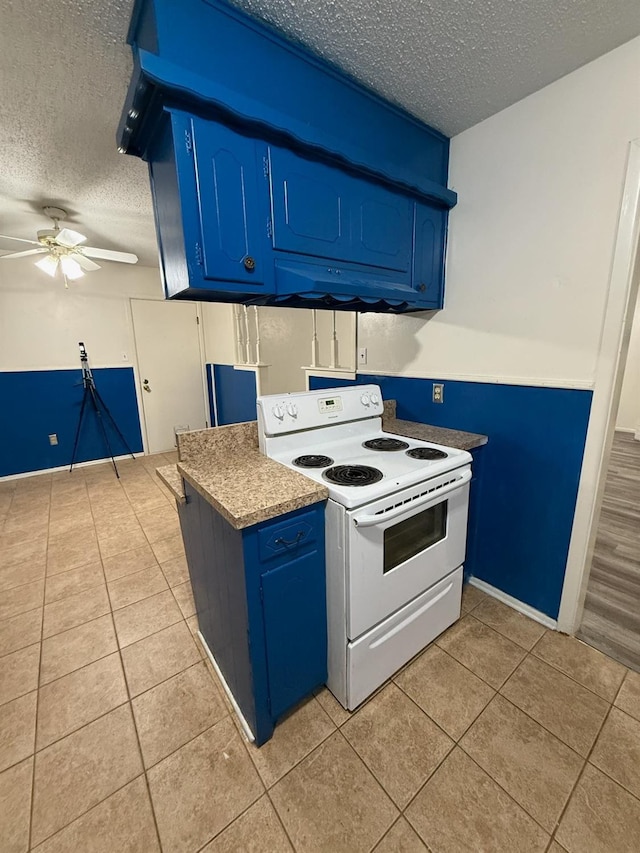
{"x": 276, "y": 179}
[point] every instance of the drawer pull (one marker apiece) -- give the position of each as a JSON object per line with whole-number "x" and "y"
{"x": 282, "y": 541}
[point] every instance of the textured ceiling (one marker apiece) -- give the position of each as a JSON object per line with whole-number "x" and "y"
{"x": 65, "y": 66}
{"x": 453, "y": 63}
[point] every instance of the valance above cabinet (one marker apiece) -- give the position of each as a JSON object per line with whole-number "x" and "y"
{"x": 258, "y": 204}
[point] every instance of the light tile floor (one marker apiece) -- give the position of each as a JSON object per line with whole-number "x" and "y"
{"x": 115, "y": 736}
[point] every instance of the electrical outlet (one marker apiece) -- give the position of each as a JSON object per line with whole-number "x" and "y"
{"x": 438, "y": 392}
{"x": 53, "y": 439}
{"x": 362, "y": 355}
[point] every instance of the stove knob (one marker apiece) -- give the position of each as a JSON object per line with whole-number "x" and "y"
{"x": 375, "y": 399}
{"x": 292, "y": 410}
{"x": 278, "y": 411}
{"x": 365, "y": 400}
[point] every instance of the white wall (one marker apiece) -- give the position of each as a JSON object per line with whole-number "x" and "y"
{"x": 629, "y": 410}
{"x": 285, "y": 341}
{"x": 531, "y": 239}
{"x": 41, "y": 322}
{"x": 219, "y": 333}
{"x": 285, "y": 338}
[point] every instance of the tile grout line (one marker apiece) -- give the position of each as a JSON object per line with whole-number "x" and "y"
{"x": 128, "y": 691}
{"x": 279, "y": 819}
{"x": 395, "y": 823}
{"x": 531, "y": 651}
{"x": 511, "y": 797}
{"x": 85, "y": 812}
{"x": 595, "y": 743}
{"x": 35, "y": 728}
{"x": 528, "y": 652}
{"x": 580, "y": 775}
{"x": 457, "y": 743}
{"x": 542, "y": 725}
{"x": 102, "y": 616}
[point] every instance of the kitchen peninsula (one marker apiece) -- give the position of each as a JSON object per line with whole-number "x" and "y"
{"x": 255, "y": 545}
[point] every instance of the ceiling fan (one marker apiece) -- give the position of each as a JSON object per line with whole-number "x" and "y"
{"x": 62, "y": 250}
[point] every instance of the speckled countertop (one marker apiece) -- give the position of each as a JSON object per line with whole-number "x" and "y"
{"x": 226, "y": 468}
{"x": 425, "y": 432}
{"x": 172, "y": 478}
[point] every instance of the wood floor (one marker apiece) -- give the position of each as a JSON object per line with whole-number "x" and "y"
{"x": 611, "y": 619}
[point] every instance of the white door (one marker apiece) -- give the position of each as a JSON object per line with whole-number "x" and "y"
{"x": 170, "y": 369}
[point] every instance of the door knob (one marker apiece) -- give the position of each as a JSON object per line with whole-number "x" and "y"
{"x": 249, "y": 263}
{"x": 145, "y": 385}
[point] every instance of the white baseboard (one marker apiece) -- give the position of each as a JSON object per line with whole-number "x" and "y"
{"x": 634, "y": 431}
{"x": 43, "y": 471}
{"x": 531, "y": 612}
{"x": 245, "y": 725}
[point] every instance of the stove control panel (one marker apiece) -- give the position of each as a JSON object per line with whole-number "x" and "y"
{"x": 330, "y": 404}
{"x": 287, "y": 413}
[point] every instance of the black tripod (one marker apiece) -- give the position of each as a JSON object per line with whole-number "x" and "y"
{"x": 99, "y": 406}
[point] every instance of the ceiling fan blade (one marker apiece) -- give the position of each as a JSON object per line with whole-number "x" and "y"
{"x": 24, "y": 254}
{"x": 85, "y": 263}
{"x": 108, "y": 255}
{"x": 19, "y": 239}
{"x": 69, "y": 238}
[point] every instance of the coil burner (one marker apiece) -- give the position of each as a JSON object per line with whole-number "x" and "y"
{"x": 352, "y": 475}
{"x": 313, "y": 460}
{"x": 385, "y": 444}
{"x": 426, "y": 453}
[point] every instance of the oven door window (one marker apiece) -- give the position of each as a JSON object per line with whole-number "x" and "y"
{"x": 408, "y": 538}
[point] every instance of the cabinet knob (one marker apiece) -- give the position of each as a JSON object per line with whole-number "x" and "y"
{"x": 249, "y": 263}
{"x": 422, "y": 287}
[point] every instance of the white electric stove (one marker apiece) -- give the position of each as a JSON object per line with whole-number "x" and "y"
{"x": 396, "y": 524}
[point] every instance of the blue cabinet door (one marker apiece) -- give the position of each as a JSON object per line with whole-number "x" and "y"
{"x": 310, "y": 207}
{"x": 324, "y": 212}
{"x": 428, "y": 255}
{"x": 232, "y": 198}
{"x": 381, "y": 223}
{"x": 295, "y": 629}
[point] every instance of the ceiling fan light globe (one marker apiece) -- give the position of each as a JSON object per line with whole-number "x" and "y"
{"x": 48, "y": 264}
{"x": 71, "y": 268}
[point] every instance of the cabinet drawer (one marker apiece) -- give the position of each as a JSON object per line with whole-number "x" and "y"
{"x": 288, "y": 537}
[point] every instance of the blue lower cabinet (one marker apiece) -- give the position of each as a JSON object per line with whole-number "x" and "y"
{"x": 260, "y": 597}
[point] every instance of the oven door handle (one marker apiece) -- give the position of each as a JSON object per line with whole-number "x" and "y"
{"x": 436, "y": 495}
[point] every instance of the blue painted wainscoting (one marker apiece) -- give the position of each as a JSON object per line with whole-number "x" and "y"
{"x": 235, "y": 394}
{"x": 36, "y": 403}
{"x": 526, "y": 476}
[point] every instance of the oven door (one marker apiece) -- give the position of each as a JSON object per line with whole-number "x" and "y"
{"x": 402, "y": 544}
